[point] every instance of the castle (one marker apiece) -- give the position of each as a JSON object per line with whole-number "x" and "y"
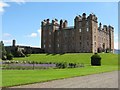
{"x": 29, "y": 50}
{"x": 85, "y": 36}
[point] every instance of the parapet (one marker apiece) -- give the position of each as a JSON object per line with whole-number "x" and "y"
{"x": 78, "y": 18}
{"x": 47, "y": 22}
{"x": 84, "y": 17}
{"x": 111, "y": 28}
{"x": 105, "y": 28}
{"x": 92, "y": 17}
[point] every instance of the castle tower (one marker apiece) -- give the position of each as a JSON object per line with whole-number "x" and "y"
{"x": 47, "y": 37}
{"x": 93, "y": 33}
{"x": 111, "y": 38}
{"x": 78, "y": 33}
{"x": 14, "y": 42}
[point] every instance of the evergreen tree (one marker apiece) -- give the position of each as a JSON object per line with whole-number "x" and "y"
{"x": 2, "y": 51}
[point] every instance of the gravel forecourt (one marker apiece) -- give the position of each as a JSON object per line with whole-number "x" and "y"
{"x": 103, "y": 80}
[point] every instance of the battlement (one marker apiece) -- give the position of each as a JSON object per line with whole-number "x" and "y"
{"x": 105, "y": 28}
{"x": 47, "y": 22}
{"x": 84, "y": 17}
{"x": 64, "y": 23}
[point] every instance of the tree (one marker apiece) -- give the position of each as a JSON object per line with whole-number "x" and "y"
{"x": 9, "y": 56}
{"x": 3, "y": 51}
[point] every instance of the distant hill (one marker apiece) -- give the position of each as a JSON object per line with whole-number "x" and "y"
{"x": 117, "y": 51}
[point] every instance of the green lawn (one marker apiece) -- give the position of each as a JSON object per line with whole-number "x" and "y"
{"x": 107, "y": 58}
{"x": 18, "y": 77}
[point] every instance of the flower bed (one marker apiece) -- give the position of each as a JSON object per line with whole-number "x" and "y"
{"x": 37, "y": 65}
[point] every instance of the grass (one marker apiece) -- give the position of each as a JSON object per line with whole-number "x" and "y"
{"x": 19, "y": 77}
{"x": 107, "y": 58}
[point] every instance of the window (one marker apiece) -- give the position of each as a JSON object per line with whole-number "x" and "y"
{"x": 87, "y": 29}
{"x": 49, "y": 33}
{"x": 58, "y": 45}
{"x": 88, "y": 43}
{"x": 95, "y": 38}
{"x": 73, "y": 38}
{"x": 80, "y": 30}
{"x": 80, "y": 37}
{"x": 49, "y": 40}
{"x": 44, "y": 41}
{"x": 87, "y": 23}
{"x": 95, "y": 44}
{"x": 87, "y": 38}
{"x": 80, "y": 44}
{"x": 94, "y": 29}
{"x": 72, "y": 33}
{"x": 65, "y": 34}
{"x": 58, "y": 33}
{"x": 80, "y": 24}
{"x": 49, "y": 45}
{"x": 44, "y": 45}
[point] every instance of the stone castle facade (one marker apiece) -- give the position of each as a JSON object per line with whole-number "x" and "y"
{"x": 85, "y": 36}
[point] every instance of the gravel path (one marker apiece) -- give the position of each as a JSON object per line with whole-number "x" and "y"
{"x": 103, "y": 80}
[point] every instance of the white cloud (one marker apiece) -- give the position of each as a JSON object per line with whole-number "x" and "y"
{"x": 33, "y": 35}
{"x": 116, "y": 45}
{"x": 39, "y": 31}
{"x": 116, "y": 36}
{"x": 19, "y": 1}
{"x": 6, "y": 35}
{"x": 7, "y": 41}
{"x": 2, "y": 5}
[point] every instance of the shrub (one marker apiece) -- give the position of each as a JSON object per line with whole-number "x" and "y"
{"x": 4, "y": 57}
{"x": 72, "y": 65}
{"x": 95, "y": 60}
{"x": 61, "y": 65}
{"x": 9, "y": 56}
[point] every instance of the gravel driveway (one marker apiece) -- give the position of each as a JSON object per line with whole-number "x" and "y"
{"x": 103, "y": 80}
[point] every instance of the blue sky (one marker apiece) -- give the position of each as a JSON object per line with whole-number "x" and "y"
{"x": 22, "y": 21}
